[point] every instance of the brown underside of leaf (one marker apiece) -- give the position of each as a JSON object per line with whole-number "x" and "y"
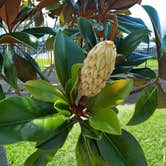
{"x": 2, "y": 2}
{"x": 9, "y": 11}
{"x": 45, "y": 3}
{"x": 120, "y": 4}
{"x": 139, "y": 82}
{"x": 120, "y": 59}
{"x": 8, "y": 39}
{"x": 39, "y": 19}
{"x": 25, "y": 71}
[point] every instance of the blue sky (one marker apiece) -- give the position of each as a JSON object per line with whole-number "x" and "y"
{"x": 159, "y": 5}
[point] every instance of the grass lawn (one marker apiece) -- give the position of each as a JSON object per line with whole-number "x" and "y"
{"x": 151, "y": 134}
{"x": 43, "y": 62}
{"x": 152, "y": 63}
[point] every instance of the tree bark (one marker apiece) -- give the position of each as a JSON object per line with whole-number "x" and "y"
{"x": 3, "y": 158}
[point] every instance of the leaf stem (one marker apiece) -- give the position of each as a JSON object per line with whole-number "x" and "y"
{"x": 114, "y": 27}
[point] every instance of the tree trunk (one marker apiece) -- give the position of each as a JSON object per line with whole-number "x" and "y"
{"x": 3, "y": 158}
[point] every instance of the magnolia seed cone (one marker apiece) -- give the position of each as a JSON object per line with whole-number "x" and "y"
{"x": 97, "y": 68}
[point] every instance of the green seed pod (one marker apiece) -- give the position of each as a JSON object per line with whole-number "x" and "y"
{"x": 96, "y": 69}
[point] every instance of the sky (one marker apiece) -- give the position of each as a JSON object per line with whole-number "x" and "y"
{"x": 159, "y": 5}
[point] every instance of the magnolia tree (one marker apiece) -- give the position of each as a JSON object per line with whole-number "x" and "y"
{"x": 94, "y": 44}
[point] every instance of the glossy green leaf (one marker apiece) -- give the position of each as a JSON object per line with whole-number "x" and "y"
{"x": 121, "y": 150}
{"x": 122, "y": 69}
{"x": 131, "y": 42}
{"x": 143, "y": 73}
{"x": 87, "y": 31}
{"x": 20, "y": 37}
{"x": 71, "y": 86}
{"x": 33, "y": 64}
{"x": 1, "y": 62}
{"x": 35, "y": 130}
{"x": 44, "y": 91}
{"x": 145, "y": 106}
{"x": 67, "y": 53}
{"x": 87, "y": 153}
{"x": 40, "y": 31}
{"x": 62, "y": 106}
{"x": 57, "y": 140}
{"x": 88, "y": 131}
{"x": 23, "y": 14}
{"x": 40, "y": 157}
{"x": 153, "y": 15}
{"x": 111, "y": 95}
{"x": 135, "y": 59}
{"x": 129, "y": 24}
{"x": 9, "y": 68}
{"x": 105, "y": 120}
{"x": 2, "y": 95}
{"x": 17, "y": 109}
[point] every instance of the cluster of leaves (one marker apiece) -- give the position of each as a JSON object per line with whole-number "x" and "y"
{"x": 48, "y": 116}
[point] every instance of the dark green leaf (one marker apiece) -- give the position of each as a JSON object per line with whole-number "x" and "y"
{"x": 23, "y": 14}
{"x": 135, "y": 59}
{"x": 131, "y": 42}
{"x": 111, "y": 95}
{"x": 56, "y": 141}
{"x": 143, "y": 73}
{"x": 151, "y": 11}
{"x": 105, "y": 120}
{"x": 129, "y": 24}
{"x": 87, "y": 31}
{"x": 1, "y": 62}
{"x": 40, "y": 31}
{"x": 2, "y": 95}
{"x": 20, "y": 37}
{"x": 67, "y": 53}
{"x": 145, "y": 106}
{"x": 87, "y": 153}
{"x": 89, "y": 132}
{"x": 44, "y": 91}
{"x": 121, "y": 69}
{"x": 35, "y": 130}
{"x": 9, "y": 68}
{"x": 40, "y": 157}
{"x": 62, "y": 106}
{"x": 16, "y": 110}
{"x": 71, "y": 86}
{"x": 121, "y": 150}
{"x": 72, "y": 32}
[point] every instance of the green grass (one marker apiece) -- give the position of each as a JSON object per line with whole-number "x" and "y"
{"x": 151, "y": 135}
{"x": 43, "y": 63}
{"x": 152, "y": 63}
